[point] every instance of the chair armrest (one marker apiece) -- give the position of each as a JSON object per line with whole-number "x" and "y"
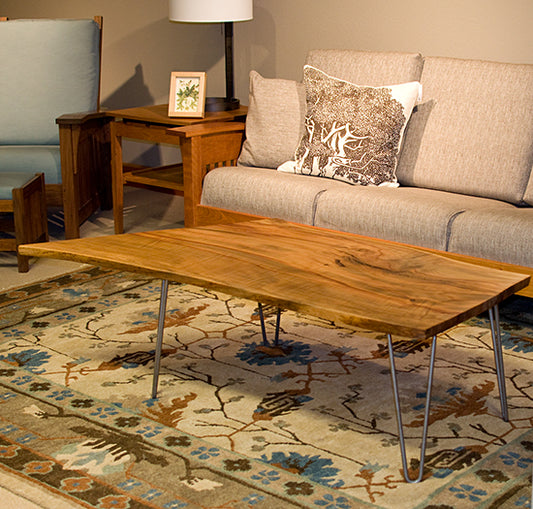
{"x": 79, "y": 118}
{"x": 85, "y": 162}
{"x": 203, "y": 147}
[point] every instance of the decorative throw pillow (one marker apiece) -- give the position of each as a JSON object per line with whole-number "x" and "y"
{"x": 353, "y": 133}
{"x": 275, "y": 121}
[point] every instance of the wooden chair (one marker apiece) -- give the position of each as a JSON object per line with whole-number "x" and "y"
{"x": 50, "y": 123}
{"x": 23, "y": 212}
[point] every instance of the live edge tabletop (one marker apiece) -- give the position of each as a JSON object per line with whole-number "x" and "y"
{"x": 360, "y": 281}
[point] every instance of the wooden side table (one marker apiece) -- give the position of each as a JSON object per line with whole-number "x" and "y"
{"x": 151, "y": 124}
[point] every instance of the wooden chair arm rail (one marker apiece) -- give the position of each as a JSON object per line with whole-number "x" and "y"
{"x": 209, "y": 128}
{"x": 80, "y": 118}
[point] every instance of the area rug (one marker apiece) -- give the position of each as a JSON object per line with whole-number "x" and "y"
{"x": 239, "y": 424}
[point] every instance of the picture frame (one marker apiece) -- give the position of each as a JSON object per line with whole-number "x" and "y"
{"x": 187, "y": 94}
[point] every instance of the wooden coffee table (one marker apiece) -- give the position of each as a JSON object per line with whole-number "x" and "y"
{"x": 359, "y": 281}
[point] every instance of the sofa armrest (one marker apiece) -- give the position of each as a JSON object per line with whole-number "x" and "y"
{"x": 204, "y": 147}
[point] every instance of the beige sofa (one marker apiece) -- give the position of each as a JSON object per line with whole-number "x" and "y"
{"x": 464, "y": 169}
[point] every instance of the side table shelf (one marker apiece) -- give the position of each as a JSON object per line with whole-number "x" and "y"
{"x": 164, "y": 177}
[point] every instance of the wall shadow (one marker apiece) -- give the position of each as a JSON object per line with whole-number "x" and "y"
{"x": 132, "y": 93}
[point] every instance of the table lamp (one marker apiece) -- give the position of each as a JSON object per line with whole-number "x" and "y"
{"x": 215, "y": 11}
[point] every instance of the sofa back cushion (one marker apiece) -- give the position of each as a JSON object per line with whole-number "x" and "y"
{"x": 275, "y": 121}
{"x": 49, "y": 67}
{"x": 528, "y": 195}
{"x": 277, "y": 108}
{"x": 473, "y": 133}
{"x": 371, "y": 68}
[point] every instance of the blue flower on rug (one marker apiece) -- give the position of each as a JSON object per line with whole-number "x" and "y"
{"x": 205, "y": 453}
{"x": 129, "y": 484}
{"x": 13, "y": 333}
{"x": 315, "y": 468}
{"x": 516, "y": 344}
{"x": 61, "y": 395}
{"x": 175, "y": 504}
{"x": 330, "y": 502}
{"x": 253, "y": 499}
{"x": 7, "y": 395}
{"x": 266, "y": 477}
{"x": 513, "y": 458}
{"x": 283, "y": 353}
{"x": 30, "y": 359}
{"x": 466, "y": 491}
{"x": 75, "y": 292}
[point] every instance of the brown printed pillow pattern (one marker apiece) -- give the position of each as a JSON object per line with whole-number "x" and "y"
{"x": 353, "y": 133}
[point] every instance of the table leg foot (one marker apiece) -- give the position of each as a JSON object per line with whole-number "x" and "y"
{"x": 160, "y": 330}
{"x": 498, "y": 359}
{"x": 399, "y": 412}
{"x": 263, "y": 328}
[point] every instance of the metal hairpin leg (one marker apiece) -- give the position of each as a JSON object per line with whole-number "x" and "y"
{"x": 498, "y": 359}
{"x": 263, "y": 329}
{"x": 160, "y": 329}
{"x": 399, "y": 412}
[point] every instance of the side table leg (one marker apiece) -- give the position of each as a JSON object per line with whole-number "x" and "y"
{"x": 160, "y": 329}
{"x": 117, "y": 176}
{"x": 494, "y": 316}
{"x": 263, "y": 329}
{"x": 399, "y": 412}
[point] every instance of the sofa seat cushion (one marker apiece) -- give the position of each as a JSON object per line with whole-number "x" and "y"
{"x": 33, "y": 159}
{"x": 10, "y": 180}
{"x": 473, "y": 134}
{"x": 416, "y": 216}
{"x": 263, "y": 192}
{"x": 499, "y": 231}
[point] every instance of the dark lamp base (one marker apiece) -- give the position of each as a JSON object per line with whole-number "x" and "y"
{"x": 221, "y": 104}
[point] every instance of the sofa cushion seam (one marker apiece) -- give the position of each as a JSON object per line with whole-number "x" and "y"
{"x": 449, "y": 228}
{"x": 315, "y": 205}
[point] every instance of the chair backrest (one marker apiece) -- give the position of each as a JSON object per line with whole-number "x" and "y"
{"x": 49, "y": 67}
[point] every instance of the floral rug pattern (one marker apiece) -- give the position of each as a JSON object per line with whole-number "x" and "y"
{"x": 309, "y": 422}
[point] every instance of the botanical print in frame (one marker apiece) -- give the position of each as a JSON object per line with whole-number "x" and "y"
{"x": 187, "y": 94}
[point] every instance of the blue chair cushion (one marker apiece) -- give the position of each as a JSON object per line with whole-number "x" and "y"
{"x": 49, "y": 68}
{"x": 10, "y": 180}
{"x": 33, "y": 159}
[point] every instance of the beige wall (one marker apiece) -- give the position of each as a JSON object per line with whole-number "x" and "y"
{"x": 282, "y": 31}
{"x": 141, "y": 47}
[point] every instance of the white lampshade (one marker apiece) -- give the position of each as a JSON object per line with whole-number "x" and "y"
{"x": 210, "y": 11}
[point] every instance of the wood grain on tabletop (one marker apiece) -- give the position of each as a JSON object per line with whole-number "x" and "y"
{"x": 360, "y": 281}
